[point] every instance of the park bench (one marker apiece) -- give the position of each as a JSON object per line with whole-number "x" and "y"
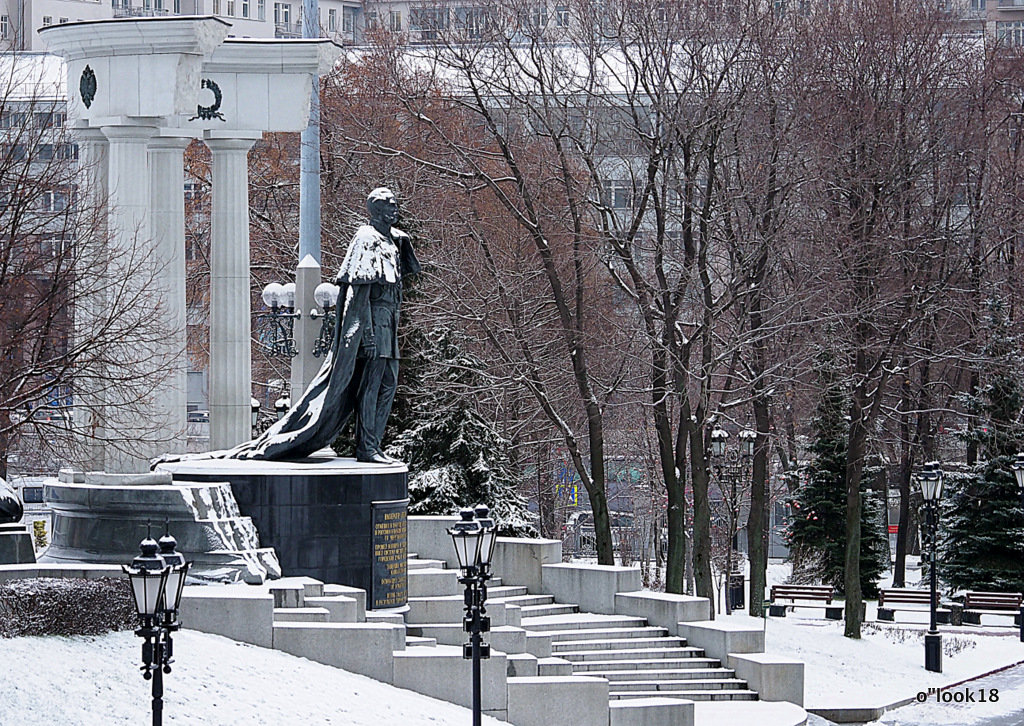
{"x": 919, "y": 601}
{"x": 977, "y": 604}
{"x": 804, "y": 596}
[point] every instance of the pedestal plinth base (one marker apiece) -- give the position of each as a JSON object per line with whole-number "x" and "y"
{"x": 100, "y": 518}
{"x": 16, "y": 545}
{"x": 933, "y": 652}
{"x": 327, "y": 517}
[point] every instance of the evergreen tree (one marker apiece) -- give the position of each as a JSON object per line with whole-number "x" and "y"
{"x": 456, "y": 459}
{"x": 982, "y": 528}
{"x": 817, "y": 529}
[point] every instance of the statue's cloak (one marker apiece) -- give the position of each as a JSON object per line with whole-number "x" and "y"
{"x": 316, "y": 419}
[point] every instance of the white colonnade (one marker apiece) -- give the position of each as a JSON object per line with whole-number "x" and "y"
{"x": 139, "y": 91}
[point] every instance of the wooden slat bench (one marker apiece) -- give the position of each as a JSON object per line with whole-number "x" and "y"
{"x": 977, "y": 604}
{"x": 804, "y": 596}
{"x": 919, "y": 601}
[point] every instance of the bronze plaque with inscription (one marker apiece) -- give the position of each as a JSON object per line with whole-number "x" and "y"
{"x": 390, "y": 543}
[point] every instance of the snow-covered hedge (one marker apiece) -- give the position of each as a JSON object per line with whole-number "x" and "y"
{"x": 53, "y": 606}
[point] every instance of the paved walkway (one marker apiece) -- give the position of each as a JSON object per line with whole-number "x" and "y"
{"x": 1007, "y": 711}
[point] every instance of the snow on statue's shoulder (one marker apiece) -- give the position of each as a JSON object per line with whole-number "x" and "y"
{"x": 370, "y": 258}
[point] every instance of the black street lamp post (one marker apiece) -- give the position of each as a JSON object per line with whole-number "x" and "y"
{"x": 1018, "y": 473}
{"x": 157, "y": 578}
{"x": 930, "y": 481}
{"x": 473, "y": 537}
{"x": 729, "y": 464}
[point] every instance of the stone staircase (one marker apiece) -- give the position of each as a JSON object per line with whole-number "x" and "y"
{"x": 637, "y": 659}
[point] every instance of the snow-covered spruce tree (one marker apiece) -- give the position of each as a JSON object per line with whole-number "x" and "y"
{"x": 455, "y": 457}
{"x": 981, "y": 534}
{"x": 817, "y": 529}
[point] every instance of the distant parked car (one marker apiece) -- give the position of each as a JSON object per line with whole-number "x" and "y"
{"x": 199, "y": 417}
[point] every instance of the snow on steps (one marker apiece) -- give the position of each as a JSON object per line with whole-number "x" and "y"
{"x": 642, "y": 663}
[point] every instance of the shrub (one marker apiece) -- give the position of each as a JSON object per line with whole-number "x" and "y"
{"x": 53, "y": 606}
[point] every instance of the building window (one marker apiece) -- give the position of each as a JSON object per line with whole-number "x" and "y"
{"x": 1011, "y": 33}
{"x": 282, "y": 14}
{"x": 617, "y": 193}
{"x": 245, "y": 8}
{"x": 562, "y": 16}
{"x": 216, "y": 7}
{"x": 62, "y": 21}
{"x": 428, "y": 21}
{"x": 231, "y": 8}
{"x": 348, "y": 20}
{"x": 395, "y": 21}
{"x": 177, "y": 7}
{"x": 5, "y": 27}
{"x": 539, "y": 16}
{"x": 261, "y": 9}
{"x": 332, "y": 20}
{"x": 47, "y": 20}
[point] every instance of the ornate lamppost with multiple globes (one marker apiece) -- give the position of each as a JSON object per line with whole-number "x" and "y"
{"x": 730, "y": 467}
{"x": 157, "y": 577}
{"x": 1018, "y": 473}
{"x": 474, "y": 537}
{"x": 929, "y": 478}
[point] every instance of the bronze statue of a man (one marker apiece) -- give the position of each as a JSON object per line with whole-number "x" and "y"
{"x": 360, "y": 373}
{"x": 375, "y": 258}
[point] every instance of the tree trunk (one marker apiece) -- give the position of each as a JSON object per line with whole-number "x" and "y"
{"x": 906, "y": 467}
{"x": 701, "y": 517}
{"x": 856, "y": 445}
{"x": 675, "y": 571}
{"x": 756, "y": 524}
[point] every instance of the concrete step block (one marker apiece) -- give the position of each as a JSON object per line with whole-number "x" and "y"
{"x": 414, "y": 641}
{"x": 775, "y": 678}
{"x": 301, "y": 615}
{"x": 533, "y": 611}
{"x": 239, "y": 612}
{"x": 448, "y": 609}
{"x": 665, "y": 609}
{"x": 653, "y": 711}
{"x": 557, "y": 701}
{"x": 703, "y": 684}
{"x": 500, "y": 592}
{"x": 365, "y": 648}
{"x": 538, "y": 644}
{"x": 628, "y": 654}
{"x": 647, "y": 664}
{"x": 425, "y": 564}
{"x": 669, "y": 674}
{"x": 721, "y": 637}
{"x": 507, "y": 639}
{"x": 561, "y": 636}
{"x": 689, "y": 695}
{"x": 583, "y": 621}
{"x": 442, "y": 672}
{"x": 385, "y": 617}
{"x": 342, "y": 609}
{"x": 552, "y": 666}
{"x": 513, "y": 614}
{"x": 530, "y": 599}
{"x": 287, "y": 594}
{"x": 356, "y": 593}
{"x": 432, "y": 582}
{"x": 521, "y": 665}
{"x": 618, "y": 644}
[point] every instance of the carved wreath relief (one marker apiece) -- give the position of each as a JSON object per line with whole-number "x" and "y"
{"x": 207, "y": 113}
{"x": 87, "y": 86}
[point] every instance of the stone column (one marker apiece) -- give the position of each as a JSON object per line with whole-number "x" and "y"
{"x": 167, "y": 221}
{"x": 305, "y": 364}
{"x": 230, "y": 329}
{"x": 90, "y": 299}
{"x": 132, "y": 420}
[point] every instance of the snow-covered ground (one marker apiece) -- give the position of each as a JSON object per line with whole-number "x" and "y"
{"x": 95, "y": 681}
{"x": 887, "y": 664}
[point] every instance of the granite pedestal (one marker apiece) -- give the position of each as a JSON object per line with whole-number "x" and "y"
{"x": 16, "y": 545}
{"x": 327, "y": 517}
{"x": 100, "y": 518}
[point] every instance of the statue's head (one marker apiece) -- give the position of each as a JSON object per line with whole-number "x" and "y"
{"x": 382, "y": 206}
{"x": 10, "y": 505}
